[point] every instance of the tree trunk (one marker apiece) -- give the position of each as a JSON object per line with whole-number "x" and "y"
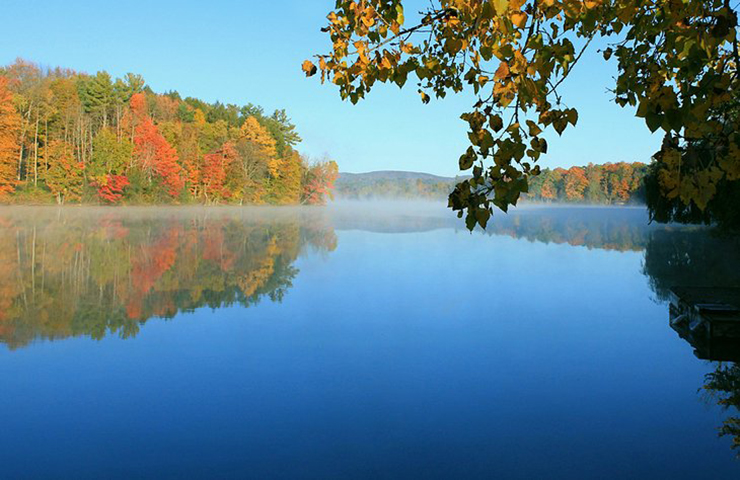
{"x": 36, "y": 152}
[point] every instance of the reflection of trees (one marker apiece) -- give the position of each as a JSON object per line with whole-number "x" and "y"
{"x": 693, "y": 257}
{"x": 610, "y": 228}
{"x": 602, "y": 228}
{"x": 97, "y": 273}
{"x": 723, "y": 385}
{"x": 698, "y": 257}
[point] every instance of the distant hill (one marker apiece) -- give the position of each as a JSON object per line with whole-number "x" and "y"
{"x": 393, "y": 184}
{"x": 392, "y": 175}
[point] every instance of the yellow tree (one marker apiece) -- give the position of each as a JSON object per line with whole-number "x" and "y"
{"x": 10, "y": 123}
{"x": 65, "y": 174}
{"x": 287, "y": 186}
{"x": 258, "y": 135}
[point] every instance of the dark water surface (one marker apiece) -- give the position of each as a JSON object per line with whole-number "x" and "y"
{"x": 354, "y": 343}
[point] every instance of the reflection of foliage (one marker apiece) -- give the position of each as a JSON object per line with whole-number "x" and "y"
{"x": 103, "y": 273}
{"x": 591, "y": 228}
{"x": 724, "y": 385}
{"x": 695, "y": 257}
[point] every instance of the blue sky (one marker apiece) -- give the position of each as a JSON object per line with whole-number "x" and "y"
{"x": 251, "y": 51}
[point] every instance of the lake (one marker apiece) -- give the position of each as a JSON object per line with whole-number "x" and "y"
{"x": 357, "y": 341}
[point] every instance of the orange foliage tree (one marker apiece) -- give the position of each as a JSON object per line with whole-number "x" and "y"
{"x": 319, "y": 182}
{"x": 156, "y": 157}
{"x": 9, "y": 126}
{"x": 575, "y": 183}
{"x": 215, "y": 167}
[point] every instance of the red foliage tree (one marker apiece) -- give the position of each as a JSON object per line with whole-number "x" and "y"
{"x": 156, "y": 157}
{"x": 112, "y": 190}
{"x": 215, "y": 166}
{"x": 319, "y": 182}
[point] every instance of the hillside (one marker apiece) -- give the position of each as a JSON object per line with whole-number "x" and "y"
{"x": 392, "y": 184}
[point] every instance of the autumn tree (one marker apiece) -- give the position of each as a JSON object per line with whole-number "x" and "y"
{"x": 65, "y": 175}
{"x": 111, "y": 188}
{"x": 215, "y": 169}
{"x": 286, "y": 187}
{"x": 189, "y": 151}
{"x": 319, "y": 182}
{"x": 677, "y": 65}
{"x": 607, "y": 184}
{"x": 156, "y": 158}
{"x": 575, "y": 183}
{"x": 263, "y": 143}
{"x": 9, "y": 129}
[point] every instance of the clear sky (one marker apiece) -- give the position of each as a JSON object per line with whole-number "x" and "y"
{"x": 251, "y": 51}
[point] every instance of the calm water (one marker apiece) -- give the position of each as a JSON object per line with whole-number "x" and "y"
{"x": 350, "y": 343}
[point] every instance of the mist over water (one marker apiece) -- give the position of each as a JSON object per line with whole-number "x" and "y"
{"x": 360, "y": 340}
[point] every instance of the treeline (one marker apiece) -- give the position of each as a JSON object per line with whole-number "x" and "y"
{"x": 394, "y": 189}
{"x": 605, "y": 184}
{"x": 610, "y": 183}
{"x": 73, "y": 137}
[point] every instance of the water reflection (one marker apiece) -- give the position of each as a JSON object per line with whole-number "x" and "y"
{"x": 92, "y": 272}
{"x": 698, "y": 272}
{"x": 607, "y": 228}
{"x": 95, "y": 272}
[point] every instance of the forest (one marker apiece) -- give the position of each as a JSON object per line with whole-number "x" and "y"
{"x": 610, "y": 183}
{"x": 72, "y": 137}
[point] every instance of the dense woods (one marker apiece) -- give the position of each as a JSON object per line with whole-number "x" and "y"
{"x": 73, "y": 137}
{"x": 610, "y": 183}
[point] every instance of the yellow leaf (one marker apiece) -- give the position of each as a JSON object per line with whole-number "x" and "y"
{"x": 500, "y": 6}
{"x": 309, "y": 68}
{"x": 517, "y": 4}
{"x": 519, "y": 19}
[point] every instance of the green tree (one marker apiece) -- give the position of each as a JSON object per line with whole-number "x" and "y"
{"x": 110, "y": 157}
{"x": 97, "y": 95}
